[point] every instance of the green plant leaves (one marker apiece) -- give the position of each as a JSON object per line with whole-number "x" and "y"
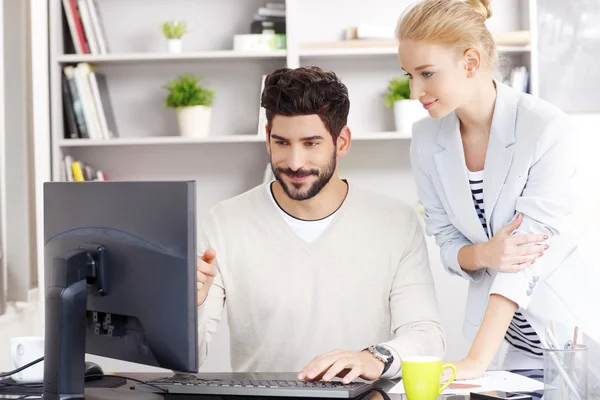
{"x": 398, "y": 89}
{"x": 186, "y": 92}
{"x": 174, "y": 29}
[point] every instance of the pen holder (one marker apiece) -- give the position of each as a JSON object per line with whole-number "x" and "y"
{"x": 566, "y": 373}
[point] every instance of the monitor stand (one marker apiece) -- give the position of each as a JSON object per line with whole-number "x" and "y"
{"x": 75, "y": 275}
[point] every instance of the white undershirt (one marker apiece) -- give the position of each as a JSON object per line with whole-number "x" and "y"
{"x": 309, "y": 231}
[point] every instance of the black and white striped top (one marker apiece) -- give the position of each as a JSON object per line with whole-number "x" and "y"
{"x": 520, "y": 334}
{"x": 476, "y": 183}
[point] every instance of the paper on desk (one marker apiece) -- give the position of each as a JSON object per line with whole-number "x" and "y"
{"x": 492, "y": 380}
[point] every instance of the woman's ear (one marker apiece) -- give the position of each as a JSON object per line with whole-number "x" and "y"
{"x": 472, "y": 62}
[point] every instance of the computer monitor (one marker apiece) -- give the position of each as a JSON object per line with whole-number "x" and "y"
{"x": 120, "y": 278}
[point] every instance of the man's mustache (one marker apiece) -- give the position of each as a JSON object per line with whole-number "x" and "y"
{"x": 299, "y": 173}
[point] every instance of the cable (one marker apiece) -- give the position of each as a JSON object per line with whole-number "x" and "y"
{"x": 14, "y": 371}
{"x": 36, "y": 385}
{"x": 129, "y": 378}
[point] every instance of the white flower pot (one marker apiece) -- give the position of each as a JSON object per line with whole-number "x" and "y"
{"x": 407, "y": 112}
{"x": 175, "y": 45}
{"x": 194, "y": 121}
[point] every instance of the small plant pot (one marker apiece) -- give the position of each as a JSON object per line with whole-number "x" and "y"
{"x": 407, "y": 112}
{"x": 194, "y": 121}
{"x": 175, "y": 45}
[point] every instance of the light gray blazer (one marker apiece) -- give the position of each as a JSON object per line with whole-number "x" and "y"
{"x": 530, "y": 169}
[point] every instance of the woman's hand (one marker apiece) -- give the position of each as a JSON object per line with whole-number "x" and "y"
{"x": 466, "y": 369}
{"x": 506, "y": 253}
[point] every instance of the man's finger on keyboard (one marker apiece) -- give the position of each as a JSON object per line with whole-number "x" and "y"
{"x": 315, "y": 369}
{"x": 341, "y": 367}
{"x": 352, "y": 375}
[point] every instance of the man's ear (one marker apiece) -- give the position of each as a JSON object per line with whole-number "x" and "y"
{"x": 268, "y": 138}
{"x": 344, "y": 141}
{"x": 472, "y": 62}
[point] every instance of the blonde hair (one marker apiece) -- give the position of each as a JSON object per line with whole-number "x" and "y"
{"x": 460, "y": 24}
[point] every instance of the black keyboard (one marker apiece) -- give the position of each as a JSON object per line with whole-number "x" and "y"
{"x": 191, "y": 384}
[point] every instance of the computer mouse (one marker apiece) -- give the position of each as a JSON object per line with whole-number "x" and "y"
{"x": 93, "y": 371}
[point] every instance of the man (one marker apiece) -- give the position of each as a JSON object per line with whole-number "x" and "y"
{"x": 310, "y": 262}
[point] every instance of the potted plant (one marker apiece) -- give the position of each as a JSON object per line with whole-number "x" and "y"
{"x": 406, "y": 111}
{"x": 192, "y": 103}
{"x": 173, "y": 31}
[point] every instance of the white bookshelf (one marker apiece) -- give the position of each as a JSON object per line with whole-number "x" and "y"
{"x": 178, "y": 140}
{"x": 383, "y": 51}
{"x": 233, "y": 158}
{"x": 171, "y": 57}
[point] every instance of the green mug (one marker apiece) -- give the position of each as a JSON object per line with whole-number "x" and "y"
{"x": 421, "y": 377}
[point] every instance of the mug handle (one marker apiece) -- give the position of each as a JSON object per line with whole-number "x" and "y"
{"x": 445, "y": 385}
{"x": 15, "y": 355}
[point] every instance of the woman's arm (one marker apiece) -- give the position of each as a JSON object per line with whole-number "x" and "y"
{"x": 458, "y": 254}
{"x": 496, "y": 320}
{"x": 503, "y": 252}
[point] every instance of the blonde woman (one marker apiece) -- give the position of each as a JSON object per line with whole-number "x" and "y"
{"x": 495, "y": 171}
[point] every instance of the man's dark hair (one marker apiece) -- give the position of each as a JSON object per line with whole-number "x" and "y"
{"x": 306, "y": 91}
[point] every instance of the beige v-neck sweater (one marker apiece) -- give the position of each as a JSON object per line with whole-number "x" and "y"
{"x": 366, "y": 280}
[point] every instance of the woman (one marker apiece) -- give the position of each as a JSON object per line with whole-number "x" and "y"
{"x": 495, "y": 170}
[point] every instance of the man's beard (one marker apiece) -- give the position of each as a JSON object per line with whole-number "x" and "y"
{"x": 293, "y": 190}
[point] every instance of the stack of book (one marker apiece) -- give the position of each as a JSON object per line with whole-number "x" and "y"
{"x": 86, "y": 27}
{"x": 78, "y": 171}
{"x": 87, "y": 108}
{"x": 269, "y": 19}
{"x": 267, "y": 30}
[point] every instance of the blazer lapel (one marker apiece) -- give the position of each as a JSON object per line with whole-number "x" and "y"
{"x": 452, "y": 169}
{"x": 498, "y": 157}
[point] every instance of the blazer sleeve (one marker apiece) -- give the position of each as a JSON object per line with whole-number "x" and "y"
{"x": 546, "y": 205}
{"x": 438, "y": 224}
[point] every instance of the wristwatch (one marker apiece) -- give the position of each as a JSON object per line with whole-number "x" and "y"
{"x": 383, "y": 354}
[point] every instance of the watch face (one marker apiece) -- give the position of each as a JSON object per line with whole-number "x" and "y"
{"x": 383, "y": 350}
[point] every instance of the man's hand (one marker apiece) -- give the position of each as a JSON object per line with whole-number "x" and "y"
{"x": 465, "y": 369}
{"x": 345, "y": 364}
{"x": 206, "y": 271}
{"x": 506, "y": 253}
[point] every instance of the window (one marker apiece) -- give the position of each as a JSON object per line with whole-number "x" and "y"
{"x": 17, "y": 222}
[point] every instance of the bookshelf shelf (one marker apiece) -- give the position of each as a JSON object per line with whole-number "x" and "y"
{"x": 334, "y": 52}
{"x": 179, "y": 140}
{"x": 187, "y": 56}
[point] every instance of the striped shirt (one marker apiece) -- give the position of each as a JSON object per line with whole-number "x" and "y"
{"x": 520, "y": 334}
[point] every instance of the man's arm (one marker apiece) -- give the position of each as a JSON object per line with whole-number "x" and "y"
{"x": 415, "y": 313}
{"x": 211, "y": 310}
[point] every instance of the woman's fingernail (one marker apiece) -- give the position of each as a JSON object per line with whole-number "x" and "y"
{"x": 545, "y": 236}
{"x": 311, "y": 374}
{"x": 327, "y": 377}
{"x": 546, "y": 247}
{"x": 301, "y": 375}
{"x": 532, "y": 261}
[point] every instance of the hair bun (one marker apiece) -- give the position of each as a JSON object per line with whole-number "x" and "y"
{"x": 482, "y": 7}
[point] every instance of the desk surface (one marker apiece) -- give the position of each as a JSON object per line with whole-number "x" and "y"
{"x": 380, "y": 393}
